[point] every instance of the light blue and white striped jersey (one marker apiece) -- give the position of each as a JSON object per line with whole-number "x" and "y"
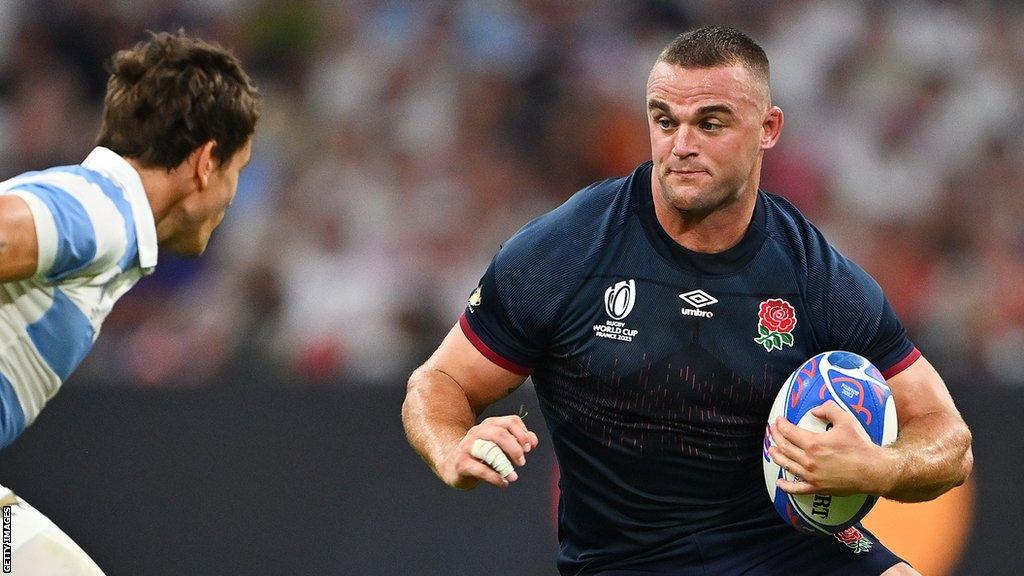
{"x": 96, "y": 239}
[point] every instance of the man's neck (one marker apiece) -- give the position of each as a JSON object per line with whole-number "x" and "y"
{"x": 709, "y": 233}
{"x": 160, "y": 186}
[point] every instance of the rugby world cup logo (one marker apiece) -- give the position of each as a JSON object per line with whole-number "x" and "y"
{"x": 776, "y": 319}
{"x": 618, "y": 300}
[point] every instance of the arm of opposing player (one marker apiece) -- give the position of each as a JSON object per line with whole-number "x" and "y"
{"x": 932, "y": 452}
{"x": 18, "y": 245}
{"x": 444, "y": 398}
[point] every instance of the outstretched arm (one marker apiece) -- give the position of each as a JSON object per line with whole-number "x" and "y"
{"x": 18, "y": 245}
{"x": 442, "y": 402}
{"x": 931, "y": 454}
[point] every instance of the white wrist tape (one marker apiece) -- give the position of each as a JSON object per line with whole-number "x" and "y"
{"x": 490, "y": 454}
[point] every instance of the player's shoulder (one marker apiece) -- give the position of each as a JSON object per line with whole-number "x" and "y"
{"x": 794, "y": 233}
{"x": 83, "y": 221}
{"x": 821, "y": 266}
{"x": 579, "y": 226}
{"x": 65, "y": 185}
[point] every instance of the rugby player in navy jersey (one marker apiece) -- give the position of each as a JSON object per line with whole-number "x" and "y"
{"x": 178, "y": 120}
{"x": 640, "y": 307}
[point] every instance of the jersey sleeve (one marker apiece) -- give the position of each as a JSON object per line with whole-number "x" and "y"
{"x": 12, "y": 417}
{"x": 77, "y": 234}
{"x": 513, "y": 312}
{"x": 856, "y": 315}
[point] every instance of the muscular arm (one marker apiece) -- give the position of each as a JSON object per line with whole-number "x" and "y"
{"x": 931, "y": 454}
{"x": 18, "y": 246}
{"x": 444, "y": 398}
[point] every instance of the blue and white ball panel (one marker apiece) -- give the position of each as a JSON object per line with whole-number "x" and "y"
{"x": 862, "y": 390}
{"x": 859, "y": 388}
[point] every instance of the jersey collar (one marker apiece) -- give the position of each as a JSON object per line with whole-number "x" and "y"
{"x": 112, "y": 165}
{"x": 720, "y": 264}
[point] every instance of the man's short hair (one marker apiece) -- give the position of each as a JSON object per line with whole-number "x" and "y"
{"x": 171, "y": 94}
{"x": 712, "y": 46}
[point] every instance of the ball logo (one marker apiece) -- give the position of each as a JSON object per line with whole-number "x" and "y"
{"x": 619, "y": 299}
{"x": 821, "y": 505}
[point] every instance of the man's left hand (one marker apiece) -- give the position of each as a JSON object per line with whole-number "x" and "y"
{"x": 840, "y": 461}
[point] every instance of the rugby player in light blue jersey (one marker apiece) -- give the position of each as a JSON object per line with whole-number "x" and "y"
{"x": 178, "y": 121}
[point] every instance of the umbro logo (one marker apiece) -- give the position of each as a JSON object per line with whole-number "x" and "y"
{"x": 698, "y": 299}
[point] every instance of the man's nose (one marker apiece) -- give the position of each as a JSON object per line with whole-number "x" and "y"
{"x": 684, "y": 143}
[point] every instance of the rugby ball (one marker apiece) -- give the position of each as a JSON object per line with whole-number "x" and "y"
{"x": 859, "y": 388}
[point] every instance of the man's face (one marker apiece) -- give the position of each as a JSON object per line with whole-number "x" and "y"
{"x": 708, "y": 127}
{"x": 207, "y": 207}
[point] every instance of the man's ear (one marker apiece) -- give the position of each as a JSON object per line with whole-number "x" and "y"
{"x": 202, "y": 163}
{"x": 771, "y": 127}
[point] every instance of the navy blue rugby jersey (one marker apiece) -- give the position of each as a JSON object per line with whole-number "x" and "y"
{"x": 656, "y": 366}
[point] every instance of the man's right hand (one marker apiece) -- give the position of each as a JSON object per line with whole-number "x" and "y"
{"x": 460, "y": 469}
{"x": 443, "y": 400}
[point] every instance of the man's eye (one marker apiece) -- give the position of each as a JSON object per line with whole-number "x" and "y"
{"x": 665, "y": 123}
{"x": 710, "y": 126}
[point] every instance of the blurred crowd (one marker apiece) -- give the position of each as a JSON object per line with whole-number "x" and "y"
{"x": 403, "y": 140}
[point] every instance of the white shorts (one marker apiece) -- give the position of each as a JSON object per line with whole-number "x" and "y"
{"x": 37, "y": 546}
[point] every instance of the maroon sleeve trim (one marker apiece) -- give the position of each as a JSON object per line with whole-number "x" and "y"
{"x": 902, "y": 364}
{"x": 487, "y": 352}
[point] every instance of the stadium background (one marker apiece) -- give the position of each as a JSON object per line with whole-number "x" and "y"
{"x": 240, "y": 413}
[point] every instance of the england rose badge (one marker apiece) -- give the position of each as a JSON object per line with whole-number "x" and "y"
{"x": 775, "y": 323}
